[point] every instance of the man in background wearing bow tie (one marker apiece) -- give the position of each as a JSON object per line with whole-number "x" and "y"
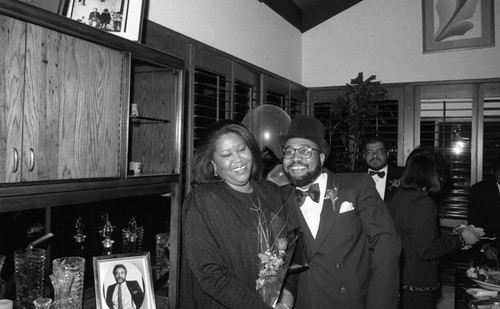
{"x": 350, "y": 243}
{"x": 386, "y": 176}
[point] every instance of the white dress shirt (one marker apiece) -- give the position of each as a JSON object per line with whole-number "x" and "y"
{"x": 127, "y": 302}
{"x": 312, "y": 210}
{"x": 380, "y": 182}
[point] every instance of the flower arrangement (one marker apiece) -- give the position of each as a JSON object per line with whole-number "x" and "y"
{"x": 393, "y": 184}
{"x": 274, "y": 254}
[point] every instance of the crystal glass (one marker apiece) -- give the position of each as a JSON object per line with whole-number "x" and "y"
{"x": 6, "y": 304}
{"x": 42, "y": 303}
{"x": 62, "y": 281}
{"x": 74, "y": 265}
{"x": 3, "y": 284}
{"x": 132, "y": 240}
{"x": 162, "y": 254}
{"x": 29, "y": 270}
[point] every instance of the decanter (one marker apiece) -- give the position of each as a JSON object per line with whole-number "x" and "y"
{"x": 107, "y": 243}
{"x": 79, "y": 237}
{"x": 62, "y": 281}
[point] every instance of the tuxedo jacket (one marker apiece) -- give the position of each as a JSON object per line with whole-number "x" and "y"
{"x": 484, "y": 208}
{"x": 394, "y": 172}
{"x": 135, "y": 291}
{"x": 354, "y": 259}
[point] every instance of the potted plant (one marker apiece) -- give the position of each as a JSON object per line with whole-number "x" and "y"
{"x": 352, "y": 113}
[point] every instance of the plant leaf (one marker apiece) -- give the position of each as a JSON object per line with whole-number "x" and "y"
{"x": 453, "y": 17}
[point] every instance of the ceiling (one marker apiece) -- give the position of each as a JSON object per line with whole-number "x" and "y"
{"x": 307, "y": 14}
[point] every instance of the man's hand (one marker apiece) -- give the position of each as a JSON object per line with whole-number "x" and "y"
{"x": 490, "y": 252}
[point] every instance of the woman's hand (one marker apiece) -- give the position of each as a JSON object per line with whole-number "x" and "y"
{"x": 286, "y": 301}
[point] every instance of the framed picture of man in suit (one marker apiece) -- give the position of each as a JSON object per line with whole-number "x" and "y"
{"x": 121, "y": 17}
{"x": 124, "y": 281}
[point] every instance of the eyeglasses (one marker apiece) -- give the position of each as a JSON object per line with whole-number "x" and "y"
{"x": 303, "y": 151}
{"x": 377, "y": 152}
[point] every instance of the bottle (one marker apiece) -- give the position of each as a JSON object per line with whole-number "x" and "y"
{"x": 79, "y": 237}
{"x": 107, "y": 243}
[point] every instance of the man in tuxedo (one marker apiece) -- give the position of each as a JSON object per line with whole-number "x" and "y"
{"x": 351, "y": 246}
{"x": 386, "y": 176}
{"x": 124, "y": 294}
{"x": 484, "y": 211}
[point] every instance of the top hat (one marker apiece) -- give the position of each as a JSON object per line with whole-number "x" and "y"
{"x": 307, "y": 127}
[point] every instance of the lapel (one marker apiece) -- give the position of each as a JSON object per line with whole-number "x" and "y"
{"x": 329, "y": 213}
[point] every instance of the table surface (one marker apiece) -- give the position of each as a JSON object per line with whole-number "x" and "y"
{"x": 465, "y": 301}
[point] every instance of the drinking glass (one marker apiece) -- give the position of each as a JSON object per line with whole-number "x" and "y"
{"x": 162, "y": 254}
{"x": 76, "y": 266}
{"x": 29, "y": 270}
{"x": 3, "y": 284}
{"x": 42, "y": 303}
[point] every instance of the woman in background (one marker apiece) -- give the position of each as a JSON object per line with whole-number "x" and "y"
{"x": 416, "y": 219}
{"x": 221, "y": 218}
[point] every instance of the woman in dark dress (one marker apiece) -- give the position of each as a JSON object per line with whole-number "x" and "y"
{"x": 415, "y": 216}
{"x": 221, "y": 218}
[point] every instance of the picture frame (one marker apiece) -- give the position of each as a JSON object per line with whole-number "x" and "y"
{"x": 446, "y": 27}
{"x": 138, "y": 280}
{"x": 120, "y": 17}
{"x": 54, "y": 6}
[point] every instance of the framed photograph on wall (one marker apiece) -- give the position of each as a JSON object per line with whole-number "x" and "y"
{"x": 125, "y": 278}
{"x": 121, "y": 17}
{"x": 451, "y": 25}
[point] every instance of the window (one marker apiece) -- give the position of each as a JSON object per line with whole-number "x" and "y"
{"x": 462, "y": 122}
{"x": 211, "y": 100}
{"x": 385, "y": 126}
{"x": 245, "y": 98}
{"x": 446, "y": 126}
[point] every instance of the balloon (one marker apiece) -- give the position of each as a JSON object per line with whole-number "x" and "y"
{"x": 267, "y": 123}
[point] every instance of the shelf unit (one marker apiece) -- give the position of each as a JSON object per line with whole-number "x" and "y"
{"x": 146, "y": 76}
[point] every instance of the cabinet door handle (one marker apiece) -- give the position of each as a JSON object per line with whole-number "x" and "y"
{"x": 32, "y": 160}
{"x": 15, "y": 165}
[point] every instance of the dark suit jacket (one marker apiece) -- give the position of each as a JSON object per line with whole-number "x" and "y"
{"x": 394, "y": 172}
{"x": 135, "y": 291}
{"x": 484, "y": 209}
{"x": 416, "y": 219}
{"x": 354, "y": 260}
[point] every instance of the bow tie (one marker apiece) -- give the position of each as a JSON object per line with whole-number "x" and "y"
{"x": 312, "y": 192}
{"x": 379, "y": 174}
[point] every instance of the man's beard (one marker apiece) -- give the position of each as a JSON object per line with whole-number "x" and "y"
{"x": 304, "y": 180}
{"x": 376, "y": 164}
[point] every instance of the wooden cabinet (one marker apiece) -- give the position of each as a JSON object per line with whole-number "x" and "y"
{"x": 61, "y": 103}
{"x": 155, "y": 132}
{"x": 66, "y": 137}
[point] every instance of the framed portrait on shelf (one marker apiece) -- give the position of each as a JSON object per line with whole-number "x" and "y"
{"x": 125, "y": 279}
{"x": 452, "y": 25}
{"x": 121, "y": 17}
{"x": 54, "y": 6}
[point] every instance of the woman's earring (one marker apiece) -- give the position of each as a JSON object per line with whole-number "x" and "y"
{"x": 216, "y": 173}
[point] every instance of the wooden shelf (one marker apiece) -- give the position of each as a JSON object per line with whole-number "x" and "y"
{"x": 138, "y": 118}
